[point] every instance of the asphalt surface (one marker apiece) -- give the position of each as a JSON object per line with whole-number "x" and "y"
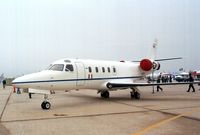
{"x": 170, "y": 112}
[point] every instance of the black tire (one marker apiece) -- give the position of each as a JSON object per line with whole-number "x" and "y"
{"x": 43, "y": 105}
{"x": 105, "y": 94}
{"x": 46, "y": 105}
{"x": 132, "y": 95}
{"x": 137, "y": 95}
{"x": 102, "y": 94}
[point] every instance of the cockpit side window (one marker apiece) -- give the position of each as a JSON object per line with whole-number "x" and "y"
{"x": 57, "y": 67}
{"x": 69, "y": 67}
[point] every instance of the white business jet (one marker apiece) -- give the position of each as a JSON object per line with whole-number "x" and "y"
{"x": 100, "y": 75}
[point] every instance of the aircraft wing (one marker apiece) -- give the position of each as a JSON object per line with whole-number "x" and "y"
{"x": 129, "y": 85}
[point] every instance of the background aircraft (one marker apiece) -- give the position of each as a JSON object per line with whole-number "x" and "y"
{"x": 1, "y": 77}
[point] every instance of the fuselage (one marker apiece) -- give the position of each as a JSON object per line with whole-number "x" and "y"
{"x": 67, "y": 74}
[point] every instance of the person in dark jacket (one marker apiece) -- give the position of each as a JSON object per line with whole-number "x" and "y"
{"x": 191, "y": 79}
{"x": 4, "y": 84}
{"x": 158, "y": 86}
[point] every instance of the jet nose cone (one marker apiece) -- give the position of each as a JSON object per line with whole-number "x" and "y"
{"x": 16, "y": 81}
{"x": 19, "y": 82}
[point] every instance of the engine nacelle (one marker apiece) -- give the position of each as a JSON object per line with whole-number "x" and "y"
{"x": 147, "y": 65}
{"x": 156, "y": 65}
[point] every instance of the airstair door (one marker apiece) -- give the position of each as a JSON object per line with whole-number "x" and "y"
{"x": 80, "y": 69}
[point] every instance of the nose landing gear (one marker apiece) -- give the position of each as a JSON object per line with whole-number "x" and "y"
{"x": 45, "y": 104}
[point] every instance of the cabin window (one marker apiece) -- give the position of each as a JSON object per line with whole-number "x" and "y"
{"x": 114, "y": 70}
{"x": 103, "y": 69}
{"x": 57, "y": 67}
{"x": 108, "y": 70}
{"x": 97, "y": 70}
{"x": 90, "y": 69}
{"x": 69, "y": 67}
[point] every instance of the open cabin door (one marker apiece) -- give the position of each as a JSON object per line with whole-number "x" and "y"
{"x": 80, "y": 69}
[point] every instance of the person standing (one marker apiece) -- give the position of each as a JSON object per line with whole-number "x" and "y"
{"x": 170, "y": 78}
{"x": 191, "y": 79}
{"x": 4, "y": 84}
{"x": 158, "y": 86}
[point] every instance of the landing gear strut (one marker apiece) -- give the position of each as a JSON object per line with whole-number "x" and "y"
{"x": 45, "y": 104}
{"x": 105, "y": 94}
{"x": 135, "y": 94}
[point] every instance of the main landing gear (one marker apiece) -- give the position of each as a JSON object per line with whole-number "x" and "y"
{"x": 135, "y": 94}
{"x": 105, "y": 94}
{"x": 45, "y": 104}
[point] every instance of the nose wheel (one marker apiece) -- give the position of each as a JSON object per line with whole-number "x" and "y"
{"x": 45, "y": 104}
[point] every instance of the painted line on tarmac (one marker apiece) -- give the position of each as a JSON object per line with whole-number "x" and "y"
{"x": 5, "y": 105}
{"x": 65, "y": 116}
{"x": 158, "y": 124}
{"x": 165, "y": 109}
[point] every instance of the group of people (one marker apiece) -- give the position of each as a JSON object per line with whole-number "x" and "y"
{"x": 166, "y": 78}
{"x": 190, "y": 79}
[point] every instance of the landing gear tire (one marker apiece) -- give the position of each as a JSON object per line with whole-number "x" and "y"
{"x": 105, "y": 94}
{"x": 45, "y": 105}
{"x": 132, "y": 95}
{"x": 135, "y": 95}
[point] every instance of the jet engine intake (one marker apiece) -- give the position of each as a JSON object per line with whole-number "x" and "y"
{"x": 146, "y": 65}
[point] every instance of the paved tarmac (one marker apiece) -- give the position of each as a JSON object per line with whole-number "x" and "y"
{"x": 171, "y": 112}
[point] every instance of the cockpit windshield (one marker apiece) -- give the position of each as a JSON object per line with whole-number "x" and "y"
{"x": 49, "y": 67}
{"x": 56, "y": 67}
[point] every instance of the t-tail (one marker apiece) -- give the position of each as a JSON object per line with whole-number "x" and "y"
{"x": 149, "y": 65}
{"x": 154, "y": 50}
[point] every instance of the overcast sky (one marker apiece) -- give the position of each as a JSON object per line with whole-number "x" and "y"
{"x": 34, "y": 33}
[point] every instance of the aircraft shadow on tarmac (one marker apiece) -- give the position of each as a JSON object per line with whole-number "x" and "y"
{"x": 88, "y": 100}
{"x": 127, "y": 98}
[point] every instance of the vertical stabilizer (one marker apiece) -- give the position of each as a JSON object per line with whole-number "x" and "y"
{"x": 154, "y": 50}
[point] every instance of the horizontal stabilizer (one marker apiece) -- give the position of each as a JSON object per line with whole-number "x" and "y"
{"x": 165, "y": 59}
{"x": 176, "y": 58}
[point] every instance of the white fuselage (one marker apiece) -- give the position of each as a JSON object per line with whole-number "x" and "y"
{"x": 67, "y": 74}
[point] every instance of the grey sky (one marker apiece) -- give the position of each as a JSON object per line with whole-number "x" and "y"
{"x": 34, "y": 33}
